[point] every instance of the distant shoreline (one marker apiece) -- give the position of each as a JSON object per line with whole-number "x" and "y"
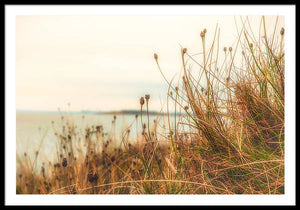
{"x": 83, "y": 112}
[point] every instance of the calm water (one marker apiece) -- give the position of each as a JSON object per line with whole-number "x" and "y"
{"x": 36, "y": 130}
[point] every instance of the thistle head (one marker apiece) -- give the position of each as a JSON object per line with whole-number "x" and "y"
{"x": 142, "y": 101}
{"x": 202, "y": 34}
{"x": 92, "y": 178}
{"x": 147, "y": 97}
{"x": 282, "y": 31}
{"x": 64, "y": 162}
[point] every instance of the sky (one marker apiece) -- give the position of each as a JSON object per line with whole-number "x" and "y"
{"x": 106, "y": 62}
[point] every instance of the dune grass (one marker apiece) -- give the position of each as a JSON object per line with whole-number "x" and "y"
{"x": 227, "y": 136}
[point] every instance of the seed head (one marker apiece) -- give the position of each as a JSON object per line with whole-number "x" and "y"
{"x": 202, "y": 34}
{"x": 176, "y": 88}
{"x": 186, "y": 108}
{"x": 282, "y": 31}
{"x": 155, "y": 56}
{"x": 184, "y": 50}
{"x": 64, "y": 162}
{"x": 73, "y": 191}
{"x": 251, "y": 45}
{"x": 225, "y": 49}
{"x": 230, "y": 49}
{"x": 147, "y": 97}
{"x": 92, "y": 178}
{"x": 142, "y": 101}
{"x": 205, "y": 30}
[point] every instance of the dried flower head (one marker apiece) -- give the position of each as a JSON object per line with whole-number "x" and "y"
{"x": 176, "y": 88}
{"x": 142, "y": 101}
{"x": 92, "y": 178}
{"x": 251, "y": 45}
{"x": 155, "y": 56}
{"x": 184, "y": 50}
{"x": 202, "y": 34}
{"x": 73, "y": 191}
{"x": 230, "y": 49}
{"x": 64, "y": 162}
{"x": 205, "y": 30}
{"x": 147, "y": 97}
{"x": 282, "y": 31}
{"x": 186, "y": 108}
{"x": 225, "y": 49}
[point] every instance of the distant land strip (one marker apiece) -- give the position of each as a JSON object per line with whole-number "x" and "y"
{"x": 128, "y": 112}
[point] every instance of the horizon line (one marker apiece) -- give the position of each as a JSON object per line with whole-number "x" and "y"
{"x": 125, "y": 111}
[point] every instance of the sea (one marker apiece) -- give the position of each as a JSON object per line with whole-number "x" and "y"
{"x": 35, "y": 131}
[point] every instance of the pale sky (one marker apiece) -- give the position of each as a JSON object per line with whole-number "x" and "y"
{"x": 106, "y": 62}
